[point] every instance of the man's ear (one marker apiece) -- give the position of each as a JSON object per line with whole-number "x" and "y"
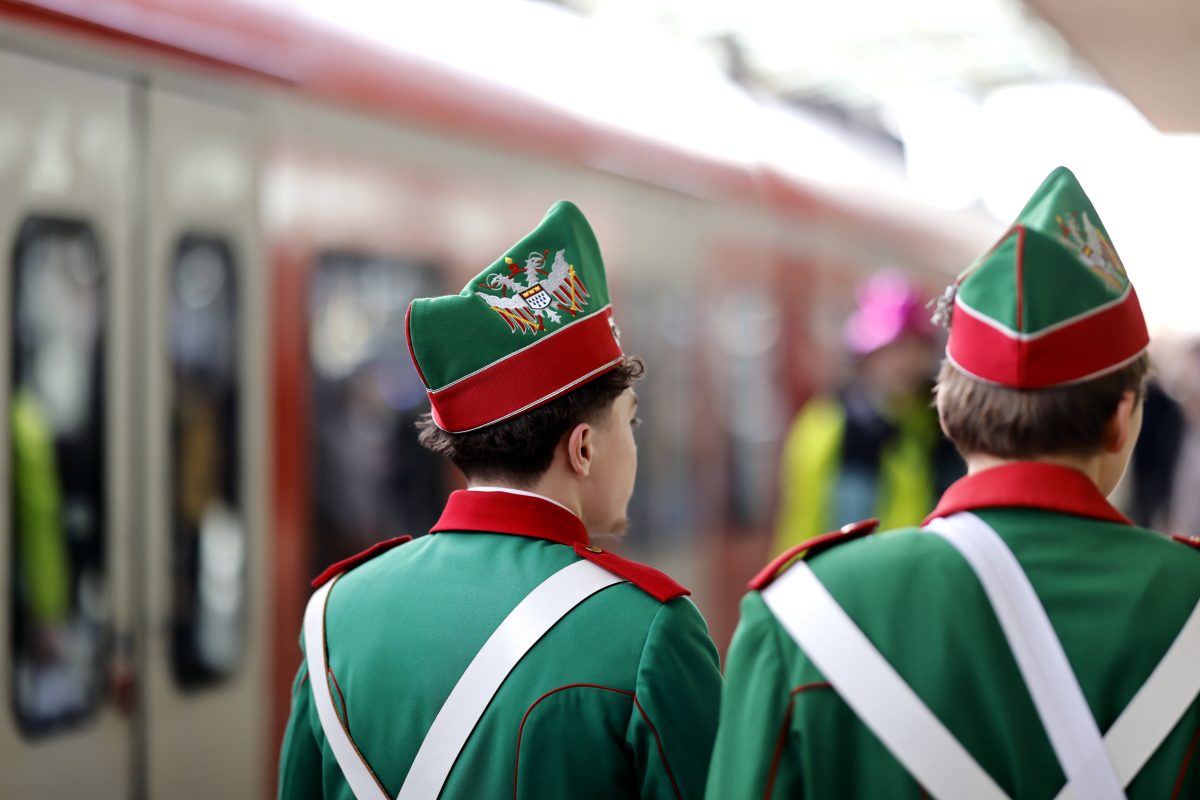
{"x": 579, "y": 449}
{"x": 1119, "y": 427}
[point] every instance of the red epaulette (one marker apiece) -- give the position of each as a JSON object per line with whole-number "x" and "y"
{"x": 1190, "y": 541}
{"x": 657, "y": 584}
{"x": 347, "y": 564}
{"x": 846, "y": 533}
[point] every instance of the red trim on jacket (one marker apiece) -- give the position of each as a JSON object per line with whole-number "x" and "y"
{"x": 347, "y": 564}
{"x": 508, "y": 512}
{"x": 530, "y": 377}
{"x": 777, "y": 756}
{"x": 1183, "y": 768}
{"x": 659, "y": 585}
{"x": 1028, "y": 484}
{"x": 1190, "y": 541}
{"x": 632, "y": 695}
{"x": 540, "y": 518}
{"x": 810, "y": 548}
{"x": 1074, "y": 352}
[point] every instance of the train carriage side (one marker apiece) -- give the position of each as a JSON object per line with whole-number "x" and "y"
{"x": 228, "y": 404}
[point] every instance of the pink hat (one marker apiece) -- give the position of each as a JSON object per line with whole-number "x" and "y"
{"x": 889, "y": 308}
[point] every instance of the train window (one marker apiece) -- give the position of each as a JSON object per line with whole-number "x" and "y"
{"x": 370, "y": 478}
{"x": 56, "y": 435}
{"x": 208, "y": 536}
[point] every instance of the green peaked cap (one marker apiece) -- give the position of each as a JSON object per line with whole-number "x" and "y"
{"x": 531, "y": 327}
{"x": 1050, "y": 303}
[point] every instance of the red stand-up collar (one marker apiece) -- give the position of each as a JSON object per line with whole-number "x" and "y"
{"x": 516, "y": 514}
{"x": 1028, "y": 484}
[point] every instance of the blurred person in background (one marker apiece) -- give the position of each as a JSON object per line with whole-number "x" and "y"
{"x": 874, "y": 448}
{"x": 1184, "y": 502}
{"x": 1029, "y": 637}
{"x": 506, "y": 654}
{"x": 1152, "y": 498}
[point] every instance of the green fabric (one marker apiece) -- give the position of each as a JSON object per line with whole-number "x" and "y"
{"x": 37, "y": 512}
{"x": 990, "y": 287}
{"x": 812, "y": 463}
{"x": 457, "y": 335}
{"x": 1067, "y": 264}
{"x": 1116, "y": 596}
{"x": 638, "y": 682}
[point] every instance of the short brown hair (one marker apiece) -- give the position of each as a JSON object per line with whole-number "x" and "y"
{"x": 519, "y": 450}
{"x": 987, "y": 419}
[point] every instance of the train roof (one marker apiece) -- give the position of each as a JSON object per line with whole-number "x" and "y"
{"x": 292, "y": 51}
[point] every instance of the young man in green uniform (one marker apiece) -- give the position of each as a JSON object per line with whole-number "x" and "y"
{"x": 506, "y": 655}
{"x": 1029, "y": 642}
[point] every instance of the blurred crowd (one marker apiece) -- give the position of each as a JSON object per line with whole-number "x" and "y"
{"x": 870, "y": 447}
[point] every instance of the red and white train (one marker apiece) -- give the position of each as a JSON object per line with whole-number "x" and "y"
{"x": 212, "y": 218}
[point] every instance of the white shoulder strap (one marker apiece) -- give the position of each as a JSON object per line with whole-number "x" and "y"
{"x": 362, "y": 780}
{"x": 1039, "y": 654}
{"x": 869, "y": 685}
{"x": 1156, "y": 708}
{"x": 520, "y": 631}
{"x": 532, "y": 618}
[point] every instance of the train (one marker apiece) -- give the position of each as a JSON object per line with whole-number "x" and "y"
{"x": 215, "y": 214}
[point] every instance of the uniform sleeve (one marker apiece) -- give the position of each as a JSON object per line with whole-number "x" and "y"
{"x": 676, "y": 701}
{"x": 300, "y": 756}
{"x": 754, "y": 713}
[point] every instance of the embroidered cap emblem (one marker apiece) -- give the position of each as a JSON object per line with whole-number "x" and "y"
{"x": 546, "y": 291}
{"x": 1092, "y": 247}
{"x": 537, "y": 298}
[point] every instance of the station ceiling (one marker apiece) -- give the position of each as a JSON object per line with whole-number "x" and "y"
{"x": 861, "y": 56}
{"x": 1148, "y": 51}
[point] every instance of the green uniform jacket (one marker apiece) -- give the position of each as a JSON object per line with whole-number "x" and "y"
{"x": 619, "y": 699}
{"x": 1116, "y": 595}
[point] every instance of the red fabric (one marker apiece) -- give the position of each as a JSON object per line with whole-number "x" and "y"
{"x": 530, "y": 377}
{"x": 521, "y": 515}
{"x": 1071, "y": 353}
{"x": 408, "y": 339}
{"x": 1020, "y": 266}
{"x": 347, "y": 564}
{"x": 1183, "y": 768}
{"x": 658, "y": 585}
{"x": 506, "y": 512}
{"x": 1028, "y": 484}
{"x": 1190, "y": 541}
{"x": 819, "y": 544}
{"x": 784, "y": 730}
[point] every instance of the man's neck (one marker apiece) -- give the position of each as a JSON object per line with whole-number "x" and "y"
{"x": 542, "y": 488}
{"x": 1088, "y": 465}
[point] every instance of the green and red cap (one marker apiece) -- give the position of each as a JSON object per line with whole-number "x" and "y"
{"x": 528, "y": 329}
{"x": 1050, "y": 303}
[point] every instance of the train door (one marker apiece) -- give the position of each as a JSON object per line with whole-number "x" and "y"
{"x": 204, "y": 543}
{"x": 65, "y": 519}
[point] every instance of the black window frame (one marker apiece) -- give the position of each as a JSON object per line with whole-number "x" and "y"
{"x": 33, "y": 227}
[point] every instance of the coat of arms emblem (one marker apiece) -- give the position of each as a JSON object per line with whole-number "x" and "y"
{"x": 1092, "y": 247}
{"x": 545, "y": 292}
